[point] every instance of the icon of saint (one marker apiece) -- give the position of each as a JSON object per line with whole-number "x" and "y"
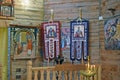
{"x": 78, "y": 33}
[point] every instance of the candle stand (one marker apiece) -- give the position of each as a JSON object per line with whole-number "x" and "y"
{"x": 90, "y": 71}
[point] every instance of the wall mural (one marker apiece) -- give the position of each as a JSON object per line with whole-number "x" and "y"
{"x": 112, "y": 34}
{"x": 65, "y": 38}
{"x": 23, "y": 42}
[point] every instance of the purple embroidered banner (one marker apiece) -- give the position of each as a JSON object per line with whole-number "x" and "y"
{"x": 78, "y": 40}
{"x": 51, "y": 32}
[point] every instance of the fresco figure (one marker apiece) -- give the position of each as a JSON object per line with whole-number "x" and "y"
{"x": 29, "y": 43}
{"x": 78, "y": 33}
{"x": 19, "y": 48}
{"x": 63, "y": 42}
{"x": 111, "y": 30}
{"x": 51, "y": 32}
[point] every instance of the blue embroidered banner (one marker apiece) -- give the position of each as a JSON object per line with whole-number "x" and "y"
{"x": 79, "y": 40}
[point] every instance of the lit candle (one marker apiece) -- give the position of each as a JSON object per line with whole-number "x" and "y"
{"x": 94, "y": 67}
{"x": 91, "y": 67}
{"x": 52, "y": 14}
{"x": 88, "y": 66}
{"x": 51, "y": 11}
{"x": 81, "y": 13}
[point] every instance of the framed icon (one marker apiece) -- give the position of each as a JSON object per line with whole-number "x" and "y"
{"x": 51, "y": 31}
{"x": 6, "y": 11}
{"x": 112, "y": 34}
{"x": 23, "y": 42}
{"x": 79, "y": 31}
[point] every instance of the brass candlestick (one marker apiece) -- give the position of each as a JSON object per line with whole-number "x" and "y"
{"x": 90, "y": 70}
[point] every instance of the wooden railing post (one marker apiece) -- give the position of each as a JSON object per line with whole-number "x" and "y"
{"x": 48, "y": 74}
{"x": 81, "y": 77}
{"x": 59, "y": 75}
{"x": 99, "y": 72}
{"x": 42, "y": 74}
{"x": 70, "y": 71}
{"x": 70, "y": 75}
{"x": 66, "y": 75}
{"x": 75, "y": 75}
{"x": 54, "y": 75}
{"x": 29, "y": 70}
{"x": 36, "y": 75}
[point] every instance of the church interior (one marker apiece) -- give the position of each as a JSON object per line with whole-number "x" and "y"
{"x": 59, "y": 39}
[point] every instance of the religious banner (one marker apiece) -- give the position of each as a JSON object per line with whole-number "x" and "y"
{"x": 112, "y": 34}
{"x": 51, "y": 37}
{"x": 23, "y": 42}
{"x": 78, "y": 40}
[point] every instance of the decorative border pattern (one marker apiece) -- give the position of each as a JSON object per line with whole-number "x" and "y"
{"x": 9, "y": 51}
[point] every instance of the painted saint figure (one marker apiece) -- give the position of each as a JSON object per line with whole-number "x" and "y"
{"x": 19, "y": 48}
{"x": 78, "y": 33}
{"x": 29, "y": 43}
{"x": 51, "y": 32}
